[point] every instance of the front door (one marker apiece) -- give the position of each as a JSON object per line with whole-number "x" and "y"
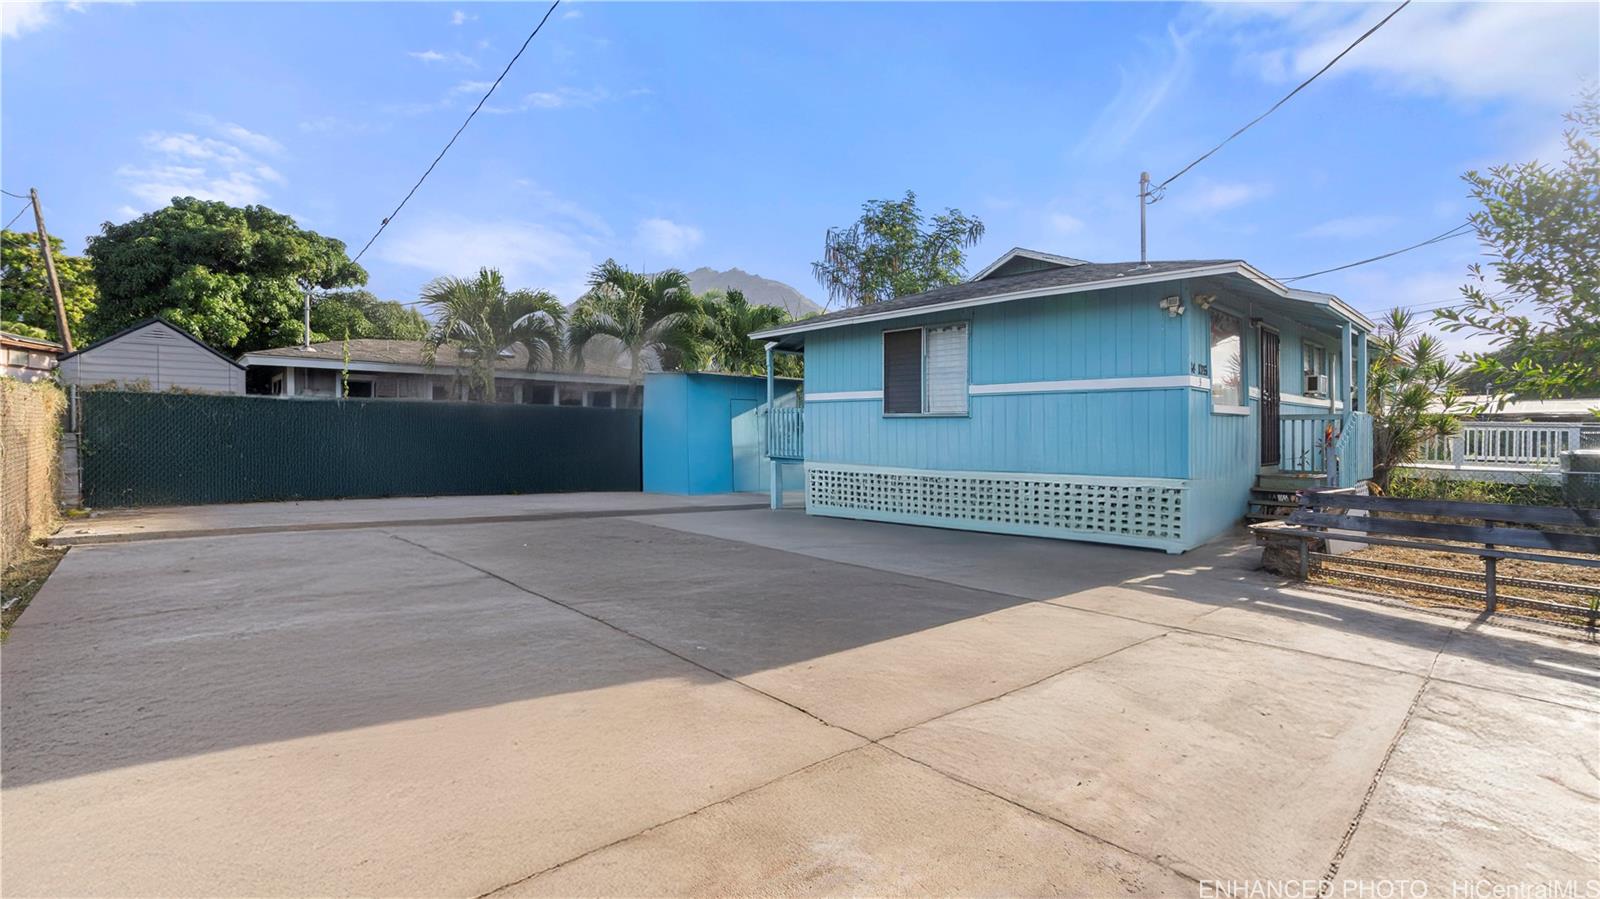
{"x": 1269, "y": 397}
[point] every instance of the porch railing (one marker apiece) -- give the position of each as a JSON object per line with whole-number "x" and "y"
{"x": 786, "y": 434}
{"x": 1530, "y": 445}
{"x": 1304, "y": 442}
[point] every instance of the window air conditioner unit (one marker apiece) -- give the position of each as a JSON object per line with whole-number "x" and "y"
{"x": 1316, "y": 383}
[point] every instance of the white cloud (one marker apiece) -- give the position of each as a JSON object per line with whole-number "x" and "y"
{"x": 1539, "y": 52}
{"x": 1352, "y": 226}
{"x": 181, "y": 163}
{"x": 529, "y": 254}
{"x": 667, "y": 238}
{"x": 1065, "y": 223}
{"x": 572, "y": 14}
{"x": 433, "y": 56}
{"x": 462, "y": 17}
{"x": 562, "y": 97}
{"x": 1208, "y": 196}
{"x": 1141, "y": 92}
{"x": 20, "y": 17}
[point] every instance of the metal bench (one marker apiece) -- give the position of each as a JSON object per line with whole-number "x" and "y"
{"x": 1532, "y": 533}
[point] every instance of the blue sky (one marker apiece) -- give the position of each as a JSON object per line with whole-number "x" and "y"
{"x": 729, "y": 134}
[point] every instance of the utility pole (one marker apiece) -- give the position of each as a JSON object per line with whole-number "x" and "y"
{"x": 1144, "y": 200}
{"x": 305, "y": 330}
{"x": 50, "y": 271}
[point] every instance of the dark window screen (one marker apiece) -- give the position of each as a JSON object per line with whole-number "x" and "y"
{"x": 902, "y": 372}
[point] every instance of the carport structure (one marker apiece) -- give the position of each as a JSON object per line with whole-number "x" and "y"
{"x": 732, "y": 702}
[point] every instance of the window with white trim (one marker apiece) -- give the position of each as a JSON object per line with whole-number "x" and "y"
{"x": 925, "y": 370}
{"x": 1227, "y": 360}
{"x": 1316, "y": 361}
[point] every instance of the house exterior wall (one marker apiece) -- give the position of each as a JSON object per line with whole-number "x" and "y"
{"x": 1034, "y": 426}
{"x": 154, "y": 357}
{"x": 1090, "y": 416}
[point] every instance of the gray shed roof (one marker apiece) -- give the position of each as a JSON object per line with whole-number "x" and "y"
{"x": 410, "y": 352}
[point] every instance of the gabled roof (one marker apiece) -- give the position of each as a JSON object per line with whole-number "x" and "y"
{"x": 1048, "y": 260}
{"x": 1079, "y": 278}
{"x": 145, "y": 323}
{"x": 33, "y": 343}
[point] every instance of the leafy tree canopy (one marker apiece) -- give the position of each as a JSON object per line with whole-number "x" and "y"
{"x": 893, "y": 251}
{"x": 729, "y": 319}
{"x": 29, "y": 308}
{"x": 481, "y": 317}
{"x": 1541, "y": 224}
{"x": 233, "y": 277}
{"x": 638, "y": 315}
{"x": 358, "y": 313}
{"x": 1410, "y": 385}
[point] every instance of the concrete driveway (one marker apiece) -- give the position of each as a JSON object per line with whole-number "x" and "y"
{"x": 734, "y": 702}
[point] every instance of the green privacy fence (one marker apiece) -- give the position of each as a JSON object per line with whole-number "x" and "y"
{"x": 146, "y": 449}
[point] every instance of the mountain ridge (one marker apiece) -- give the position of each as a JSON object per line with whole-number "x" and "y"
{"x": 758, "y": 290}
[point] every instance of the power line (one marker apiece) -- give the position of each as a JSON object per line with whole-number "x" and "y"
{"x": 17, "y": 195}
{"x": 1298, "y": 89}
{"x": 1458, "y": 231}
{"x": 470, "y": 116}
{"x": 17, "y": 216}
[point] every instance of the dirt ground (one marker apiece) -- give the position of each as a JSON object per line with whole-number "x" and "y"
{"x": 1471, "y": 567}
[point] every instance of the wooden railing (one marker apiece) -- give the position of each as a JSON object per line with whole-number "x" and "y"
{"x": 786, "y": 434}
{"x": 1304, "y": 441}
{"x": 1535, "y": 445}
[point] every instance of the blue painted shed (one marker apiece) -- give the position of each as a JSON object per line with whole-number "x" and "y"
{"x": 704, "y": 432}
{"x": 1132, "y": 403}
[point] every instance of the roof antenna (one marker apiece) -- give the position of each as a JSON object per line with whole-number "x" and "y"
{"x": 1144, "y": 200}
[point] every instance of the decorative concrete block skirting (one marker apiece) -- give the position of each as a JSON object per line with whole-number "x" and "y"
{"x": 1146, "y": 512}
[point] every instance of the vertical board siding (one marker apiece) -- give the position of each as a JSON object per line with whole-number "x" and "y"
{"x": 1107, "y": 334}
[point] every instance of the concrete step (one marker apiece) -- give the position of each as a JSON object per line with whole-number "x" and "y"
{"x": 1289, "y": 483}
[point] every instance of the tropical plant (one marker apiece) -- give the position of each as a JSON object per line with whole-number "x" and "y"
{"x": 1411, "y": 393}
{"x": 638, "y": 315}
{"x": 359, "y": 314}
{"x": 893, "y": 251}
{"x": 236, "y": 278}
{"x": 29, "y": 307}
{"x": 481, "y": 318}
{"x": 1542, "y": 225}
{"x": 729, "y": 320}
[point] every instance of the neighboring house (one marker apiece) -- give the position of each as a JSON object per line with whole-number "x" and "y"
{"x": 27, "y": 358}
{"x": 1115, "y": 402}
{"x": 152, "y": 355}
{"x": 398, "y": 369}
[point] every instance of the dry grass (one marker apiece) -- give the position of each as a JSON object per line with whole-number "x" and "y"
{"x": 21, "y": 580}
{"x": 1473, "y": 567}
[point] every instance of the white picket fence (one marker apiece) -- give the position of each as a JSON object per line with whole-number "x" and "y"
{"x": 1534, "y": 445}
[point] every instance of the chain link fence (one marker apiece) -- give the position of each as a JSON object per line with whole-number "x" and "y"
{"x": 30, "y": 427}
{"x": 150, "y": 449}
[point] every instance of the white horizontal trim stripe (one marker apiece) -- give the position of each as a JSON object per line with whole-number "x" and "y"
{"x": 1231, "y": 410}
{"x": 1108, "y": 480}
{"x": 842, "y": 395}
{"x": 1155, "y": 382}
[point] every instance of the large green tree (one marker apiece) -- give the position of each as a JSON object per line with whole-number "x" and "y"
{"x": 1411, "y": 386}
{"x": 481, "y": 317}
{"x": 725, "y": 341}
{"x": 1541, "y": 224}
{"x": 357, "y": 313}
{"x": 638, "y": 315}
{"x": 26, "y": 304}
{"x": 233, "y": 277}
{"x": 894, "y": 250}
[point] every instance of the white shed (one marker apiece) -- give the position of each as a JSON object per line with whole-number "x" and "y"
{"x": 152, "y": 355}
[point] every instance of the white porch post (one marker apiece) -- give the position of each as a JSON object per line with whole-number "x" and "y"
{"x": 1348, "y": 365}
{"x": 776, "y": 487}
{"x": 288, "y": 380}
{"x": 1361, "y": 374}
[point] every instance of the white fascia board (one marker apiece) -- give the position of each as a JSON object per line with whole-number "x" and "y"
{"x": 359, "y": 367}
{"x": 933, "y": 308}
{"x": 1085, "y": 385}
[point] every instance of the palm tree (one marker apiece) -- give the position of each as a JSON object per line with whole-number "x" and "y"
{"x": 1411, "y": 388}
{"x": 640, "y": 314}
{"x": 482, "y": 319}
{"x": 730, "y": 320}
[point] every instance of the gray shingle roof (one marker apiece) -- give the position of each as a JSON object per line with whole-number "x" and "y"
{"x": 409, "y": 352}
{"x": 1088, "y": 272}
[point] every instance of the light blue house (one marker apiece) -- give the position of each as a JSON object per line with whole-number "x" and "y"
{"x": 1130, "y": 403}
